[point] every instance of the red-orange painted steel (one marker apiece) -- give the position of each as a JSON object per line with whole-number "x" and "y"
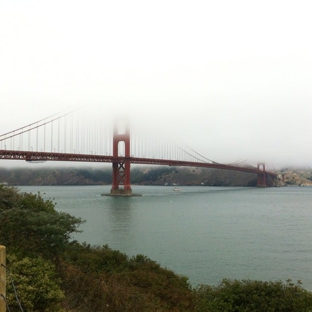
{"x": 121, "y": 168}
{"x": 262, "y": 175}
{"x": 46, "y": 156}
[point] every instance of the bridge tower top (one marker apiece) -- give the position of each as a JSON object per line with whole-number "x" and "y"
{"x": 121, "y": 134}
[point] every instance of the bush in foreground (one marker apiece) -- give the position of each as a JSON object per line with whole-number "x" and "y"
{"x": 31, "y": 226}
{"x": 37, "y": 284}
{"x": 255, "y": 296}
{"x": 101, "y": 279}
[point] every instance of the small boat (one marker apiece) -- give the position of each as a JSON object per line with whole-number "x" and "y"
{"x": 176, "y": 189}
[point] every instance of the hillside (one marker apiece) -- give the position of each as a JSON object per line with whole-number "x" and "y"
{"x": 149, "y": 176}
{"x": 297, "y": 176}
{"x": 54, "y": 176}
{"x": 195, "y": 176}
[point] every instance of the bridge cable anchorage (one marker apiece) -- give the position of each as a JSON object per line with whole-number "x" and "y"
{"x": 14, "y": 288}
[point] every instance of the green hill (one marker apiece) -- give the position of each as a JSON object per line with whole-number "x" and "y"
{"x": 147, "y": 176}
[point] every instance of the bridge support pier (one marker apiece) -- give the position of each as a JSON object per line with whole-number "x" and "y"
{"x": 121, "y": 177}
{"x": 261, "y": 176}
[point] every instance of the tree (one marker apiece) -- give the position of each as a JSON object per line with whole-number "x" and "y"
{"x": 31, "y": 225}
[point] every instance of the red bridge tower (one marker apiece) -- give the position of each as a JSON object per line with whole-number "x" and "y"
{"x": 261, "y": 176}
{"x": 121, "y": 169}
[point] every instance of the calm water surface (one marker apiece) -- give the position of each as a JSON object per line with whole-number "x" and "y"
{"x": 205, "y": 233}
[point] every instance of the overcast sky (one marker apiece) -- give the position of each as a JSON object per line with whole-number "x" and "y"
{"x": 233, "y": 79}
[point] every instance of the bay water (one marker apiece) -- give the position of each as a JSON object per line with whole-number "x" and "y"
{"x": 204, "y": 233}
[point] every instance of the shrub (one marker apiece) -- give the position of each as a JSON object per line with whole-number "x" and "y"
{"x": 37, "y": 285}
{"x": 31, "y": 226}
{"x": 256, "y": 296}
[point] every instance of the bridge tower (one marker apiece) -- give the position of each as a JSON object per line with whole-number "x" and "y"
{"x": 121, "y": 169}
{"x": 261, "y": 175}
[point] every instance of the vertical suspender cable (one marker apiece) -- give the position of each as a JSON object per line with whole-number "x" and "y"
{"x": 58, "y": 135}
{"x": 102, "y": 131}
{"x": 21, "y": 142}
{"x": 29, "y": 138}
{"x": 12, "y": 141}
{"x": 65, "y": 134}
{"x": 87, "y": 137}
{"x": 44, "y": 138}
{"x": 82, "y": 135}
{"x": 37, "y": 133}
{"x": 71, "y": 133}
{"x": 95, "y": 131}
{"x": 51, "y": 136}
{"x": 76, "y": 133}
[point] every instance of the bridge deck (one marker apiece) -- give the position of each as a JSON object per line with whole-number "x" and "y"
{"x": 47, "y": 156}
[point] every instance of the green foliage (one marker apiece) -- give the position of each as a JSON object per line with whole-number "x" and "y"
{"x": 31, "y": 225}
{"x": 95, "y": 259}
{"x": 55, "y": 176}
{"x": 256, "y": 296}
{"x": 96, "y": 175}
{"x": 137, "y": 176}
{"x": 8, "y": 197}
{"x": 36, "y": 283}
{"x": 113, "y": 282}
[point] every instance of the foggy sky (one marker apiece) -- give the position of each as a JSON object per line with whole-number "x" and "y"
{"x": 232, "y": 79}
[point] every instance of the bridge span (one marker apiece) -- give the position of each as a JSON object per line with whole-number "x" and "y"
{"x": 31, "y": 156}
{"x": 28, "y": 140}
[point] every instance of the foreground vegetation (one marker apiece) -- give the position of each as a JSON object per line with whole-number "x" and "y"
{"x": 52, "y": 273}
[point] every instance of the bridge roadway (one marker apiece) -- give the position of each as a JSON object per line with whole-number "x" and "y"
{"x": 47, "y": 156}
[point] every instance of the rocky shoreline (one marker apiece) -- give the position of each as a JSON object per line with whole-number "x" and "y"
{"x": 298, "y": 177}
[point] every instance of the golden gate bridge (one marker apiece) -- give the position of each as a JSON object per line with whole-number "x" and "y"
{"x": 73, "y": 136}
